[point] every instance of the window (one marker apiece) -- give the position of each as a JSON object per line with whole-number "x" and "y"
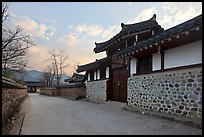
{"x": 133, "y": 63}
{"x": 98, "y": 74}
{"x": 89, "y": 76}
{"x": 156, "y": 61}
{"x": 94, "y": 75}
{"x": 145, "y": 65}
{"x": 107, "y": 72}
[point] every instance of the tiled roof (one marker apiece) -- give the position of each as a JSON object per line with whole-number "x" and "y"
{"x": 128, "y": 29}
{"x": 75, "y": 78}
{"x": 92, "y": 64}
{"x": 6, "y": 82}
{"x": 34, "y": 83}
{"x": 171, "y": 32}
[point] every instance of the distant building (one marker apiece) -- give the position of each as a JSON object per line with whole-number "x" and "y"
{"x": 76, "y": 78}
{"x": 34, "y": 86}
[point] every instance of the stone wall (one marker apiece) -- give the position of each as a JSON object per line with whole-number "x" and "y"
{"x": 50, "y": 91}
{"x": 11, "y": 99}
{"x": 176, "y": 93}
{"x": 96, "y": 90}
{"x": 73, "y": 93}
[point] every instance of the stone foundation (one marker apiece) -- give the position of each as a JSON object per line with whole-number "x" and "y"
{"x": 176, "y": 93}
{"x": 96, "y": 91}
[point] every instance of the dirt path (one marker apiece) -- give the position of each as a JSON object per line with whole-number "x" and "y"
{"x": 45, "y": 115}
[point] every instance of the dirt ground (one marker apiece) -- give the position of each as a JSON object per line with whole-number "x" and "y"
{"x": 45, "y": 115}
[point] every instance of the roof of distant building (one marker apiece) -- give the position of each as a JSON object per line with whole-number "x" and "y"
{"x": 34, "y": 83}
{"x": 92, "y": 64}
{"x": 75, "y": 78}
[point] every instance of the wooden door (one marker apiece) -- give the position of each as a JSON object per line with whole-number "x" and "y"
{"x": 119, "y": 84}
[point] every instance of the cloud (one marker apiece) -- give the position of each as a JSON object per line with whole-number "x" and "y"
{"x": 175, "y": 13}
{"x": 51, "y": 27}
{"x": 11, "y": 14}
{"x": 170, "y": 7}
{"x": 43, "y": 30}
{"x": 38, "y": 55}
{"x": 79, "y": 40}
{"x": 189, "y": 11}
{"x": 79, "y": 49}
{"x": 144, "y": 15}
{"x": 86, "y": 30}
{"x": 89, "y": 29}
{"x": 69, "y": 39}
{"x": 70, "y": 27}
{"x": 111, "y": 31}
{"x": 170, "y": 14}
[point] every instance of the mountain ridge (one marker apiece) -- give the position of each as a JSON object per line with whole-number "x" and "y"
{"x": 34, "y": 75}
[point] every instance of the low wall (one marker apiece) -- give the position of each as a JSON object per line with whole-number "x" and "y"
{"x": 176, "y": 93}
{"x": 12, "y": 95}
{"x": 50, "y": 91}
{"x": 96, "y": 90}
{"x": 69, "y": 91}
{"x": 73, "y": 93}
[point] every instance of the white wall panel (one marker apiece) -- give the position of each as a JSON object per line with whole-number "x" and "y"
{"x": 188, "y": 54}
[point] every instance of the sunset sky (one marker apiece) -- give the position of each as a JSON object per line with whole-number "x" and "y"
{"x": 75, "y": 26}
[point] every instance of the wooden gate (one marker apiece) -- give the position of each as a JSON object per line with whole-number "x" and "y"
{"x": 119, "y": 84}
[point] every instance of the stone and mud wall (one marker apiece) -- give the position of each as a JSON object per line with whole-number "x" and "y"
{"x": 50, "y": 91}
{"x": 176, "y": 93}
{"x": 96, "y": 91}
{"x": 75, "y": 91}
{"x": 12, "y": 95}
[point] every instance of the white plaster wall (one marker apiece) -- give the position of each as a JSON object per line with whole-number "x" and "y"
{"x": 94, "y": 75}
{"x": 89, "y": 77}
{"x": 107, "y": 72}
{"x": 133, "y": 63}
{"x": 188, "y": 54}
{"x": 98, "y": 74}
{"x": 156, "y": 61}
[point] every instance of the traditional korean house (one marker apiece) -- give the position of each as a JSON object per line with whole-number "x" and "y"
{"x": 107, "y": 77}
{"x": 76, "y": 78}
{"x": 34, "y": 86}
{"x": 166, "y": 71}
{"x": 97, "y": 74}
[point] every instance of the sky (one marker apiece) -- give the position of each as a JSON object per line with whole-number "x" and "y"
{"x": 74, "y": 27}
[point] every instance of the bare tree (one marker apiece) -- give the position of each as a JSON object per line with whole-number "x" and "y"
{"x": 49, "y": 74}
{"x": 15, "y": 45}
{"x": 58, "y": 60}
{"x": 74, "y": 67}
{"x": 4, "y": 11}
